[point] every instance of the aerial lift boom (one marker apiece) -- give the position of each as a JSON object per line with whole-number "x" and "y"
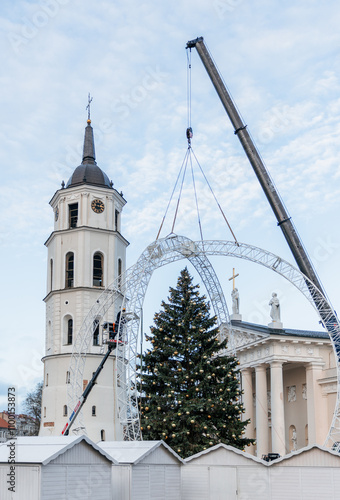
{"x": 112, "y": 343}
{"x": 83, "y": 397}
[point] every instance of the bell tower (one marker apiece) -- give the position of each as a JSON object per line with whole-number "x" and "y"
{"x": 86, "y": 252}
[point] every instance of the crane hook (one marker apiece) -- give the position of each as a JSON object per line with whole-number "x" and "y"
{"x": 189, "y": 134}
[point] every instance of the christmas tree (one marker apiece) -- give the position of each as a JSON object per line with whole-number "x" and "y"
{"x": 190, "y": 389}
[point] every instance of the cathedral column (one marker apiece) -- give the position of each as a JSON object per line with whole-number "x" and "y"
{"x": 316, "y": 408}
{"x": 247, "y": 399}
{"x": 261, "y": 410}
{"x": 277, "y": 408}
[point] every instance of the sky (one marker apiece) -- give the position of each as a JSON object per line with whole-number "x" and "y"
{"x": 280, "y": 61}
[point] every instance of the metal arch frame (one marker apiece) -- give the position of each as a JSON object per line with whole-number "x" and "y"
{"x": 136, "y": 279}
{"x": 134, "y": 283}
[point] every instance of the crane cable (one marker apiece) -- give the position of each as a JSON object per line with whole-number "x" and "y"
{"x": 189, "y": 152}
{"x": 189, "y": 88}
{"x": 180, "y": 191}
{"x": 189, "y": 137}
{"x": 196, "y": 200}
{"x": 185, "y": 160}
{"x": 172, "y": 194}
{"x": 212, "y": 192}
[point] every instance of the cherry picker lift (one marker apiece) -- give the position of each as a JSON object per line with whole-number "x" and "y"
{"x": 115, "y": 338}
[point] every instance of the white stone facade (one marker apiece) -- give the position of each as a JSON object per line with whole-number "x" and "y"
{"x": 290, "y": 386}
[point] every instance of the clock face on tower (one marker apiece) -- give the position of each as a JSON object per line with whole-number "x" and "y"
{"x": 97, "y": 206}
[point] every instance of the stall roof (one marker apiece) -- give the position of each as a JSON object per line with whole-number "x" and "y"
{"x": 220, "y": 447}
{"x": 312, "y": 455}
{"x": 42, "y": 449}
{"x": 132, "y": 452}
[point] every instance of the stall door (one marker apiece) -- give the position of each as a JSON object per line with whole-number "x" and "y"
{"x": 70, "y": 482}
{"x": 253, "y": 483}
{"x": 156, "y": 482}
{"x": 222, "y": 483}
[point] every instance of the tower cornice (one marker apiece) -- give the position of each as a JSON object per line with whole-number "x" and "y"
{"x": 87, "y": 189}
{"x": 86, "y": 228}
{"x": 77, "y": 289}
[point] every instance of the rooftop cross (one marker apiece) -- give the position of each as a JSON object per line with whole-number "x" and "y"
{"x": 88, "y": 107}
{"x": 233, "y": 278}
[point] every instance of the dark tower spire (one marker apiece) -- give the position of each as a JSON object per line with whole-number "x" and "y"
{"x": 88, "y": 171}
{"x": 89, "y": 155}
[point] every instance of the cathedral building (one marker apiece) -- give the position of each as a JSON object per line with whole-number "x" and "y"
{"x": 289, "y": 379}
{"x": 86, "y": 253}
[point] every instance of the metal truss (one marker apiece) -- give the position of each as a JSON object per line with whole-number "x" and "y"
{"x": 135, "y": 281}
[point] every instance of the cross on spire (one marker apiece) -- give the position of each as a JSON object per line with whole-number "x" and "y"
{"x": 88, "y": 107}
{"x": 233, "y": 278}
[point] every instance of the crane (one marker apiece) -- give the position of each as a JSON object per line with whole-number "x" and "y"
{"x": 283, "y": 219}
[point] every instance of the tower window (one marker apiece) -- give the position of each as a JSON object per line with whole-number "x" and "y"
{"x": 68, "y": 378}
{"x": 102, "y": 435}
{"x": 46, "y": 384}
{"x": 95, "y": 333}
{"x": 93, "y": 411}
{"x": 119, "y": 273}
{"x": 98, "y": 269}
{"x": 73, "y": 214}
{"x": 69, "y": 270}
{"x": 69, "y": 331}
{"x": 65, "y": 411}
{"x": 44, "y": 411}
{"x": 116, "y": 220}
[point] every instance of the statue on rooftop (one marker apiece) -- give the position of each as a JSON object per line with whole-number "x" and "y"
{"x": 275, "y": 307}
{"x": 235, "y": 301}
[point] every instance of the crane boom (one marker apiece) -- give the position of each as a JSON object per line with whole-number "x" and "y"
{"x": 283, "y": 219}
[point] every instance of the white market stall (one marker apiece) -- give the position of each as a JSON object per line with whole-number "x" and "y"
{"x": 224, "y": 472}
{"x": 55, "y": 468}
{"x": 148, "y": 470}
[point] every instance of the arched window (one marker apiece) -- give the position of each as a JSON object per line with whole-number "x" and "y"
{"x": 116, "y": 220}
{"x": 46, "y": 383}
{"x": 98, "y": 269}
{"x": 102, "y": 435}
{"x": 119, "y": 273}
{"x": 69, "y": 331}
{"x": 65, "y": 411}
{"x": 69, "y": 275}
{"x": 95, "y": 333}
{"x": 73, "y": 215}
{"x": 68, "y": 378}
{"x": 93, "y": 411}
{"x": 51, "y": 274}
